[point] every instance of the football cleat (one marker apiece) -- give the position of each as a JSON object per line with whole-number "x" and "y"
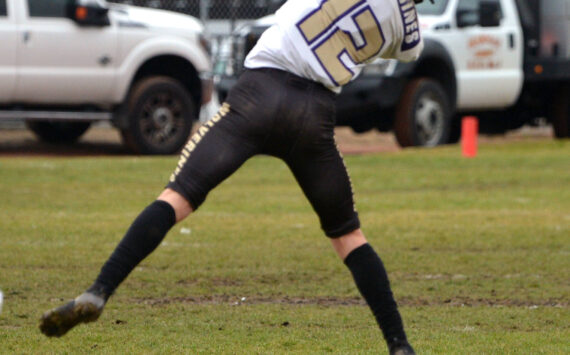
{"x": 84, "y": 309}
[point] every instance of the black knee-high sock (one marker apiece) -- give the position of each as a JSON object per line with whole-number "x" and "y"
{"x": 144, "y": 235}
{"x": 372, "y": 282}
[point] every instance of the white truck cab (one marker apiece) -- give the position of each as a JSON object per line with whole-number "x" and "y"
{"x": 510, "y": 62}
{"x": 485, "y": 56}
{"x": 65, "y": 64}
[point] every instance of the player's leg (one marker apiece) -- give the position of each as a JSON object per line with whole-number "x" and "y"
{"x": 179, "y": 203}
{"x": 211, "y": 155}
{"x": 372, "y": 281}
{"x": 218, "y": 149}
{"x": 143, "y": 236}
{"x": 141, "y": 239}
{"x": 319, "y": 168}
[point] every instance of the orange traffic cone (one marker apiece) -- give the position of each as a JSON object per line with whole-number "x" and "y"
{"x": 469, "y": 131}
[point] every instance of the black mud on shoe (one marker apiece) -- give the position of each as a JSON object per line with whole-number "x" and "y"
{"x": 84, "y": 309}
{"x": 400, "y": 347}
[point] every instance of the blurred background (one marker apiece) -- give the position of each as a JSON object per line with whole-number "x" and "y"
{"x": 532, "y": 102}
{"x": 220, "y": 16}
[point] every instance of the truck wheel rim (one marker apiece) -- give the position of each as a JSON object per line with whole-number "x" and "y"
{"x": 162, "y": 119}
{"x": 430, "y": 120}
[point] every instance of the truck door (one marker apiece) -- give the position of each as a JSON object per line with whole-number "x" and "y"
{"x": 488, "y": 56}
{"x": 61, "y": 62}
{"x": 7, "y": 52}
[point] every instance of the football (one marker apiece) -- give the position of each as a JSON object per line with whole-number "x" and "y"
{"x": 1, "y": 300}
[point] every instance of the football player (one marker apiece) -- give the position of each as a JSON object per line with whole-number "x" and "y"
{"x": 283, "y": 105}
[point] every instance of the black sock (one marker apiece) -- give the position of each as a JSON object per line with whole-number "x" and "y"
{"x": 372, "y": 282}
{"x": 144, "y": 235}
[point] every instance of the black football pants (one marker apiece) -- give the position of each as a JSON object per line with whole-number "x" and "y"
{"x": 276, "y": 113}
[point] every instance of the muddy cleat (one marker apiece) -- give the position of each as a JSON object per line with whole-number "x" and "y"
{"x": 400, "y": 347}
{"x": 84, "y": 309}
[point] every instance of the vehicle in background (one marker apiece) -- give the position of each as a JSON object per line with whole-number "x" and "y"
{"x": 66, "y": 64}
{"x": 505, "y": 61}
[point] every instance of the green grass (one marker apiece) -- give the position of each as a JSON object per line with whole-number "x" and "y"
{"x": 477, "y": 250}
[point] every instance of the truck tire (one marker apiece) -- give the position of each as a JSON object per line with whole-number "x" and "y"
{"x": 160, "y": 116}
{"x": 454, "y": 131}
{"x": 58, "y": 132}
{"x": 423, "y": 115}
{"x": 561, "y": 113}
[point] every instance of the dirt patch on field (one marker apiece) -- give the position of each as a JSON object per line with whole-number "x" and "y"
{"x": 99, "y": 140}
{"x": 488, "y": 302}
{"x": 363, "y": 143}
{"x": 349, "y": 301}
{"x": 104, "y": 140}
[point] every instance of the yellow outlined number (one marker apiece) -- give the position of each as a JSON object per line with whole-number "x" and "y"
{"x": 328, "y": 42}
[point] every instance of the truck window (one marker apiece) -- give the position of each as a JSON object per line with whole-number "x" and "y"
{"x": 43, "y": 8}
{"x": 3, "y": 11}
{"x": 427, "y": 8}
{"x": 470, "y": 9}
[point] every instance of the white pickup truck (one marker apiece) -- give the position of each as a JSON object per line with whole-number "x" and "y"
{"x": 67, "y": 63}
{"x": 505, "y": 61}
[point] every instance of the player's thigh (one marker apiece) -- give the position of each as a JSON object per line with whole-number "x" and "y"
{"x": 214, "y": 152}
{"x": 324, "y": 179}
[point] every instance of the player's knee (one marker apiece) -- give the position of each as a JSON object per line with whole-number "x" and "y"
{"x": 179, "y": 203}
{"x": 346, "y": 243}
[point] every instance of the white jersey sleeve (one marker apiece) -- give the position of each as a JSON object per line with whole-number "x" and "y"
{"x": 329, "y": 41}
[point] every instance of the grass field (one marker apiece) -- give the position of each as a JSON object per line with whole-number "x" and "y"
{"x": 478, "y": 251}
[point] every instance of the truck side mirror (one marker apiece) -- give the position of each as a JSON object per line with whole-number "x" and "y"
{"x": 489, "y": 13}
{"x": 89, "y": 13}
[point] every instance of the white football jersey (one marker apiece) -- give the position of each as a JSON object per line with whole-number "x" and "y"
{"x": 329, "y": 41}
